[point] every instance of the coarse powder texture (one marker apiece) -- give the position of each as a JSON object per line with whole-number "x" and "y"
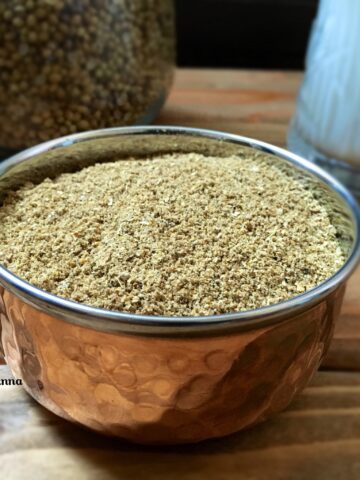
{"x": 179, "y": 234}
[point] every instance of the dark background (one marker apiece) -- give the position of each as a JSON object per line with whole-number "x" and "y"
{"x": 243, "y": 33}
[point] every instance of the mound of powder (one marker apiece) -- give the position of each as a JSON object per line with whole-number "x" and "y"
{"x": 179, "y": 234}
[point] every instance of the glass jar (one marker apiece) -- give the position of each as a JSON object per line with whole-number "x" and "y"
{"x": 73, "y": 65}
{"x": 326, "y": 126}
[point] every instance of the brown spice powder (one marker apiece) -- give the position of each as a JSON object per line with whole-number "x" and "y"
{"x": 180, "y": 234}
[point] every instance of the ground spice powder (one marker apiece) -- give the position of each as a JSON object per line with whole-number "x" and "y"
{"x": 179, "y": 234}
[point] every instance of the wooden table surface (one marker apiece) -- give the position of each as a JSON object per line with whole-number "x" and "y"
{"x": 318, "y": 437}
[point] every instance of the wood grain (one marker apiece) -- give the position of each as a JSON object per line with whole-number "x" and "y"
{"x": 251, "y": 103}
{"x": 318, "y": 437}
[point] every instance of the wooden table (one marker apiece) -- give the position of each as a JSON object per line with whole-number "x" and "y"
{"x": 318, "y": 437}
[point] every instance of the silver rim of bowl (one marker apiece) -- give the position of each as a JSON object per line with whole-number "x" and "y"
{"x": 122, "y": 322}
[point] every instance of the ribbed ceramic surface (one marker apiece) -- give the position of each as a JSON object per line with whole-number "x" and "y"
{"x": 164, "y": 390}
{"x": 329, "y": 99}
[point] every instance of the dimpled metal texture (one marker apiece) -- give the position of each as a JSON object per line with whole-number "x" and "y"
{"x": 164, "y": 390}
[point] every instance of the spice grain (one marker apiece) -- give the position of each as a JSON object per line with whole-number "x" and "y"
{"x": 178, "y": 234}
{"x": 67, "y": 65}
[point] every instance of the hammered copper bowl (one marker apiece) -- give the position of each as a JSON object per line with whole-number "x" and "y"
{"x": 160, "y": 379}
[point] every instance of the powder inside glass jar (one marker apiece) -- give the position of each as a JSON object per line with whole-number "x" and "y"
{"x": 178, "y": 234}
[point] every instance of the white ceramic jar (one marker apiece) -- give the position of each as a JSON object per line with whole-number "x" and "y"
{"x": 326, "y": 125}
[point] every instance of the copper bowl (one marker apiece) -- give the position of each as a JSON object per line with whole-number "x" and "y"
{"x": 167, "y": 379}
